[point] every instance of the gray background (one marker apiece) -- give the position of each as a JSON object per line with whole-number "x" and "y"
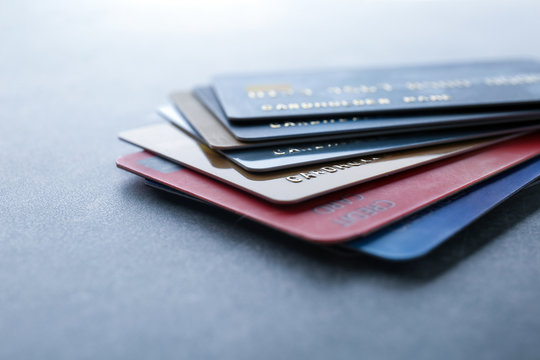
{"x": 95, "y": 265}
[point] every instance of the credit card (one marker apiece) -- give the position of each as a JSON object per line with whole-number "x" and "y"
{"x": 292, "y": 185}
{"x": 277, "y": 157}
{"x": 349, "y": 213}
{"x": 202, "y": 122}
{"x": 461, "y": 86}
{"x": 287, "y": 156}
{"x": 349, "y": 126}
{"x": 418, "y": 234}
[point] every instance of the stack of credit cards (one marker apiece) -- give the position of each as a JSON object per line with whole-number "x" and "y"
{"x": 388, "y": 162}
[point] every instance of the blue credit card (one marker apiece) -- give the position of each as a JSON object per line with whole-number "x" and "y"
{"x": 360, "y": 91}
{"x": 283, "y": 156}
{"x": 274, "y": 158}
{"x": 417, "y": 235}
{"x": 359, "y": 126}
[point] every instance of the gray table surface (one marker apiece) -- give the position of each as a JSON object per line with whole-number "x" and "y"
{"x": 95, "y": 265}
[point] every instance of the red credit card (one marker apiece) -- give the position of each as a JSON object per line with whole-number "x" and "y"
{"x": 352, "y": 212}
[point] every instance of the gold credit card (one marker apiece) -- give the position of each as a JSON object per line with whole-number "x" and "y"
{"x": 209, "y": 128}
{"x": 291, "y": 185}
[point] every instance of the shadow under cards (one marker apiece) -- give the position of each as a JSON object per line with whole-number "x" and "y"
{"x": 456, "y": 249}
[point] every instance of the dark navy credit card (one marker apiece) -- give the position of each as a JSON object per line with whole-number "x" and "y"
{"x": 415, "y": 236}
{"x": 295, "y": 128}
{"x": 260, "y": 97}
{"x": 283, "y": 156}
{"x": 287, "y": 156}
